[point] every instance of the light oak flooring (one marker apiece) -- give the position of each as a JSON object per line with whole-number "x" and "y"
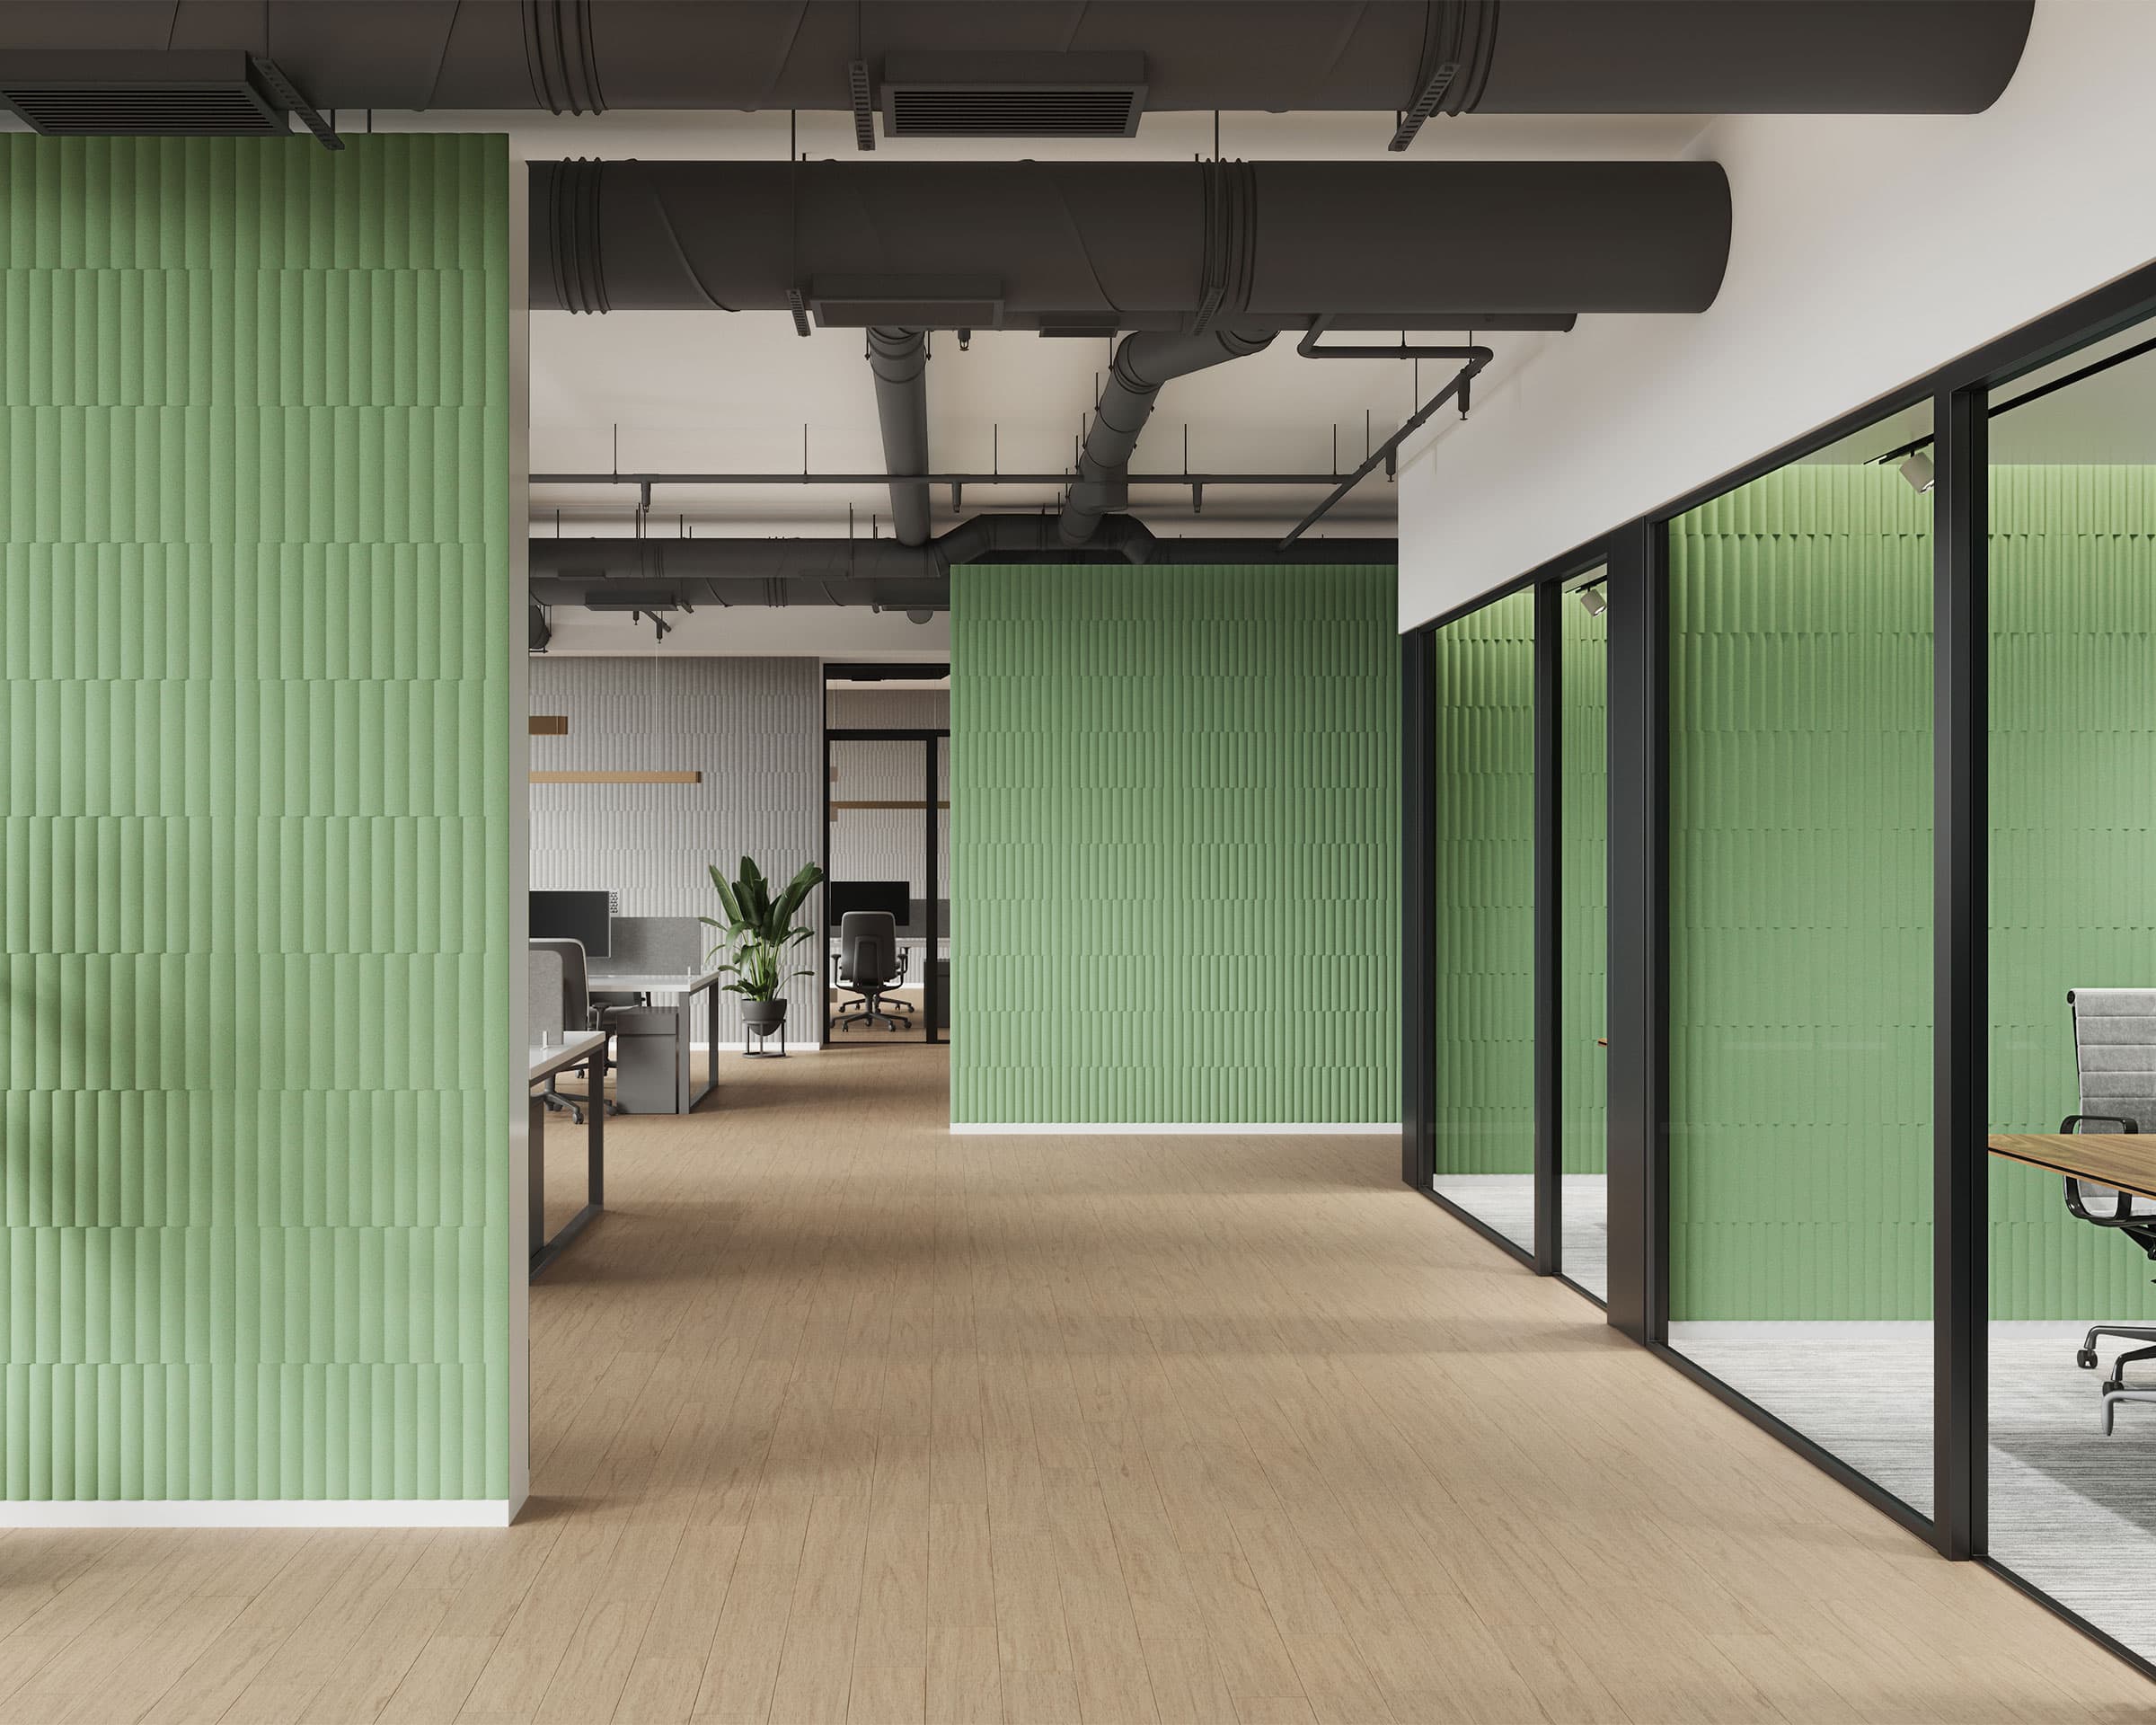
{"x": 839, "y": 1418}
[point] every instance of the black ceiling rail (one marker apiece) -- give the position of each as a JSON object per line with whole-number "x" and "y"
{"x": 2035, "y": 394}
{"x": 1477, "y": 358}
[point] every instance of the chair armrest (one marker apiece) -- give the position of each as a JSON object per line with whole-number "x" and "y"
{"x": 2072, "y": 1122}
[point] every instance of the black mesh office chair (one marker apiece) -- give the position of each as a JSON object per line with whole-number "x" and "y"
{"x": 2114, "y": 1057}
{"x": 579, "y": 1013}
{"x": 871, "y": 964}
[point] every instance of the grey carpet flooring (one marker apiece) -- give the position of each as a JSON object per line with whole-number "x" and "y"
{"x": 2072, "y": 1511}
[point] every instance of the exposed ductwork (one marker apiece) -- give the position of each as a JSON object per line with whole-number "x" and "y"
{"x": 899, "y": 359}
{"x": 1151, "y": 245}
{"x": 1143, "y": 364}
{"x": 1422, "y": 58}
{"x": 881, "y": 573}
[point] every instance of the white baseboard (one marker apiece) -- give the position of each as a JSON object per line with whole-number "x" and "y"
{"x": 742, "y": 1047}
{"x": 1146, "y": 1129}
{"x": 260, "y": 1512}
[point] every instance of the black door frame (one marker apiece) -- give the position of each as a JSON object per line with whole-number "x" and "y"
{"x": 1636, "y": 556}
{"x": 934, "y": 741}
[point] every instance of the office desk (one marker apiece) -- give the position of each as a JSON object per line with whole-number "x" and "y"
{"x": 2126, "y": 1161}
{"x": 546, "y": 1063}
{"x": 687, "y": 987}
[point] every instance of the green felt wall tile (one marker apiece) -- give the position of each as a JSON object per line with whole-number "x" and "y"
{"x": 254, "y": 527}
{"x": 1175, "y": 844}
{"x": 1801, "y": 883}
{"x": 1583, "y": 928}
{"x": 1483, "y": 917}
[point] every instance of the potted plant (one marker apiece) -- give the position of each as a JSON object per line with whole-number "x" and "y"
{"x": 757, "y": 930}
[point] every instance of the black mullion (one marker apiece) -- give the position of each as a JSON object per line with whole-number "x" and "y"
{"x": 1549, "y": 927}
{"x": 929, "y": 993}
{"x": 1638, "y": 589}
{"x": 823, "y": 900}
{"x": 1417, "y": 894}
{"x": 1961, "y": 1017}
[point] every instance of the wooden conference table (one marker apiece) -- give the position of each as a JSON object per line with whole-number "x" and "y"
{"x": 2125, "y": 1161}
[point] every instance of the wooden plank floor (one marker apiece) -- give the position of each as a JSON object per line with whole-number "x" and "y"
{"x": 839, "y": 1418}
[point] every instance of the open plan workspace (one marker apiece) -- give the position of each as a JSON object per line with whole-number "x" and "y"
{"x": 1222, "y": 860}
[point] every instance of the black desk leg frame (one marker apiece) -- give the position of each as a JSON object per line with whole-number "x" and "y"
{"x": 543, "y": 1250}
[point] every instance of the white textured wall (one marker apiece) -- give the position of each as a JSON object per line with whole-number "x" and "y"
{"x": 753, "y": 727}
{"x": 1866, "y": 253}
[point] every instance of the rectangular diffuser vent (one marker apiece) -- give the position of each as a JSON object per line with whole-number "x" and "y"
{"x": 175, "y": 94}
{"x": 1013, "y": 95}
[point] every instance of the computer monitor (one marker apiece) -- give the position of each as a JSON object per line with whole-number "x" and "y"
{"x": 894, "y": 896}
{"x": 586, "y": 917}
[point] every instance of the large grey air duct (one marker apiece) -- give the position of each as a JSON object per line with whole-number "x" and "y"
{"x": 899, "y": 359}
{"x": 995, "y": 70}
{"x": 1141, "y": 366}
{"x": 1098, "y": 246}
{"x": 877, "y": 571}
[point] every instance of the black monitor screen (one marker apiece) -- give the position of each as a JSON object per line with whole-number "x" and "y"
{"x": 894, "y": 896}
{"x": 585, "y": 917}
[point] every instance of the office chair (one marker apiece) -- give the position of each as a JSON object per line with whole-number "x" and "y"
{"x": 871, "y": 964}
{"x": 2115, "y": 1059}
{"x": 577, "y": 1010}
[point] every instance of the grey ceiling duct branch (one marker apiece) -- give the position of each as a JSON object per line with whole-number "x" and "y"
{"x": 1067, "y": 247}
{"x": 1141, "y": 366}
{"x": 1048, "y": 68}
{"x": 899, "y": 359}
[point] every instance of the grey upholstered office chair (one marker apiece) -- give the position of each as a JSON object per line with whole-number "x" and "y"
{"x": 578, "y": 1014}
{"x": 2115, "y": 1055}
{"x": 871, "y": 964}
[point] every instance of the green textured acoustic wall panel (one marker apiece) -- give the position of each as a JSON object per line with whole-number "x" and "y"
{"x": 1800, "y": 913}
{"x": 254, "y": 631}
{"x": 1174, "y": 844}
{"x": 1584, "y": 889}
{"x": 1482, "y": 921}
{"x": 2073, "y": 843}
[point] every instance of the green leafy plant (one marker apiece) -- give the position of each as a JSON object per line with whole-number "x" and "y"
{"x": 758, "y": 928}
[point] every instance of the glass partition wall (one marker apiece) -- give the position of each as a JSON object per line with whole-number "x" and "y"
{"x": 1800, "y": 842}
{"x": 1834, "y": 844}
{"x": 1482, "y": 916}
{"x": 1583, "y": 934}
{"x": 2072, "y": 949}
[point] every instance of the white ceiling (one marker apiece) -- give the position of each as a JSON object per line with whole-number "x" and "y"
{"x": 710, "y": 392}
{"x": 697, "y": 391}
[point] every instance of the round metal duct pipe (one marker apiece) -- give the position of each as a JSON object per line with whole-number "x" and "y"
{"x": 1582, "y": 57}
{"x": 1166, "y": 245}
{"x": 881, "y": 571}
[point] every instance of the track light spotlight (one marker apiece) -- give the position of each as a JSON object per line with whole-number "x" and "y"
{"x": 919, "y": 616}
{"x": 1592, "y": 602}
{"x": 1917, "y": 471}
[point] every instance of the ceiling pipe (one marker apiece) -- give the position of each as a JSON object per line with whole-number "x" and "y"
{"x": 899, "y": 359}
{"x": 1097, "y": 247}
{"x": 1141, "y": 366}
{"x": 879, "y": 571}
{"x": 1583, "y": 57}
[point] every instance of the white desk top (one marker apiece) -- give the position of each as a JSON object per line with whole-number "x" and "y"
{"x": 674, "y": 983}
{"x": 572, "y": 1049}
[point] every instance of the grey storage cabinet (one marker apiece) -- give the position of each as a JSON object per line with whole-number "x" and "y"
{"x": 650, "y": 1065}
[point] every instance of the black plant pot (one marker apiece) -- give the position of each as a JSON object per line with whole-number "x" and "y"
{"x": 763, "y": 1017}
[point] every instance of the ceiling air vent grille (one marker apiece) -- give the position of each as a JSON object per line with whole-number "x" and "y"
{"x": 1013, "y": 95}
{"x": 138, "y": 95}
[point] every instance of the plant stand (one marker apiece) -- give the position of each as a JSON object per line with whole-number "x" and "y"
{"x": 755, "y": 1045}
